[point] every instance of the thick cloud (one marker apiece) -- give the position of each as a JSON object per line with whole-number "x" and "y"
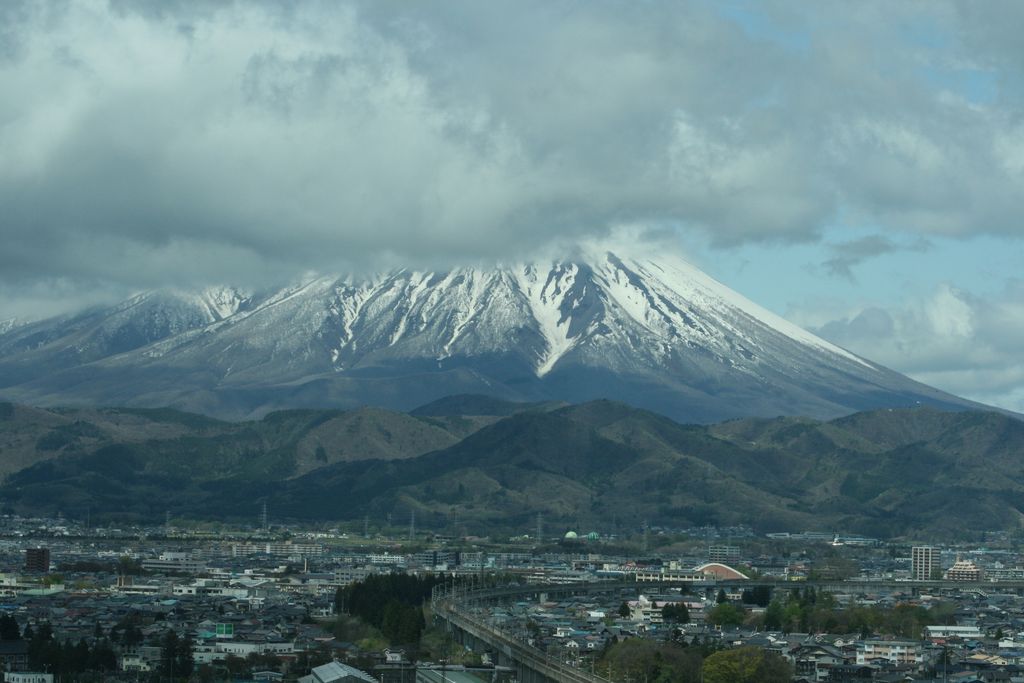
{"x": 186, "y": 142}
{"x": 966, "y": 344}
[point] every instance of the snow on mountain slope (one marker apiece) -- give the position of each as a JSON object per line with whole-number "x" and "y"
{"x": 655, "y": 332}
{"x": 101, "y": 332}
{"x": 11, "y": 323}
{"x": 552, "y": 307}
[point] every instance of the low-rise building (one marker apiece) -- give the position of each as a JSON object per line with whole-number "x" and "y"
{"x": 891, "y": 651}
{"x": 27, "y": 677}
{"x": 336, "y": 672}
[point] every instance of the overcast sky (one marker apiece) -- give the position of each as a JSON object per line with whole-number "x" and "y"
{"x": 856, "y": 167}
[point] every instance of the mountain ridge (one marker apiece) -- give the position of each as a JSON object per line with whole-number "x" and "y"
{"x": 600, "y": 464}
{"x": 656, "y": 333}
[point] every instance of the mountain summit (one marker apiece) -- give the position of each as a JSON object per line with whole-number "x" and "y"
{"x": 654, "y": 332}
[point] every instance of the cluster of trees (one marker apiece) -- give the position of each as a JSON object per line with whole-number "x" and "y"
{"x": 402, "y": 623}
{"x": 807, "y": 610}
{"x": 175, "y": 655}
{"x": 67, "y": 659}
{"x": 639, "y": 659}
{"x": 746, "y": 665}
{"x": 9, "y": 629}
{"x": 724, "y": 613}
{"x": 758, "y": 595}
{"x": 93, "y": 659}
{"x": 645, "y": 660}
{"x": 811, "y": 611}
{"x": 675, "y": 614}
{"x": 402, "y": 597}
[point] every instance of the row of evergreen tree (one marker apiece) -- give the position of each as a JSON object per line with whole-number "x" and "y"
{"x": 392, "y": 603}
{"x": 67, "y": 659}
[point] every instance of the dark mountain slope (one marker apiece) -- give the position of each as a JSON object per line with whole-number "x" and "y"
{"x": 594, "y": 465}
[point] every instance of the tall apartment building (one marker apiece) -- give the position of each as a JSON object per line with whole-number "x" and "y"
{"x": 726, "y": 554}
{"x": 964, "y": 570}
{"x": 37, "y": 560}
{"x": 924, "y": 563}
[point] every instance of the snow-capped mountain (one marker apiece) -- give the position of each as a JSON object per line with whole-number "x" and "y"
{"x": 657, "y": 333}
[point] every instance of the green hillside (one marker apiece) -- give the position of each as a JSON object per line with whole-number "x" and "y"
{"x": 594, "y": 465}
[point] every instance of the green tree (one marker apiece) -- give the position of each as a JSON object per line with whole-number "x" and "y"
{"x": 640, "y": 659}
{"x": 76, "y": 657}
{"x": 9, "y": 628}
{"x": 364, "y": 598}
{"x": 128, "y": 566}
{"x": 624, "y": 610}
{"x": 41, "y": 647}
{"x": 675, "y": 614}
{"x": 176, "y": 655}
{"x": 721, "y": 597}
{"x": 774, "y": 616}
{"x": 102, "y": 656}
{"x": 746, "y": 665}
{"x": 725, "y": 614}
{"x": 761, "y": 595}
{"x": 402, "y": 624}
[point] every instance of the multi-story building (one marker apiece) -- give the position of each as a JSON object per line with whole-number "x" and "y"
{"x": 175, "y": 562}
{"x": 941, "y": 632}
{"x": 924, "y": 563}
{"x": 37, "y": 560}
{"x": 726, "y": 554}
{"x": 286, "y": 549}
{"x": 662, "y": 574}
{"x": 645, "y": 609}
{"x": 14, "y": 655}
{"x": 892, "y": 651}
{"x": 346, "y": 575}
{"x": 214, "y": 650}
{"x": 964, "y": 570}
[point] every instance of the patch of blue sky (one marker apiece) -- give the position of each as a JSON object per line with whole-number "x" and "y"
{"x": 779, "y": 276}
{"x": 978, "y": 86}
{"x": 751, "y": 17}
{"x": 944, "y": 70}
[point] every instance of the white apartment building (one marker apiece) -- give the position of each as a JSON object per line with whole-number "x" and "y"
{"x": 925, "y": 563}
{"x": 895, "y": 651}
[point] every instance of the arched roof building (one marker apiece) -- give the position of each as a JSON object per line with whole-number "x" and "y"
{"x": 722, "y": 572}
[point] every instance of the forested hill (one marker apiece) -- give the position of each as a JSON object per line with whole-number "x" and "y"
{"x": 593, "y": 466}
